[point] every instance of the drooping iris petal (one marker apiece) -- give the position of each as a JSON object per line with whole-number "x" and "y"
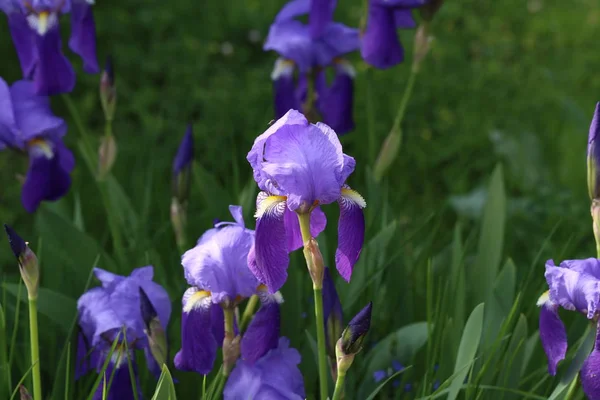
{"x": 305, "y": 164}
{"x": 403, "y": 18}
{"x": 572, "y": 287}
{"x": 262, "y": 334}
{"x": 321, "y": 14}
{"x": 274, "y": 376}
{"x": 53, "y": 73}
{"x": 198, "y": 344}
{"x": 553, "y": 336}
{"x": 220, "y": 264}
{"x": 284, "y": 87}
{"x": 87, "y": 357}
{"x": 83, "y": 35}
{"x": 8, "y": 125}
{"x": 291, "y": 39}
{"x": 351, "y": 232}
{"x": 46, "y": 178}
{"x": 380, "y": 44}
{"x": 25, "y": 43}
{"x": 336, "y": 101}
{"x": 121, "y": 387}
{"x": 270, "y": 250}
{"x": 33, "y": 115}
{"x": 318, "y": 221}
{"x": 217, "y": 319}
{"x": 590, "y": 378}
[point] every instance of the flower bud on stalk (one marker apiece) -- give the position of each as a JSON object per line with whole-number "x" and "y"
{"x": 108, "y": 90}
{"x": 28, "y": 262}
{"x": 107, "y": 154}
{"x": 421, "y": 45}
{"x": 352, "y": 339}
{"x": 387, "y": 155}
{"x": 178, "y": 220}
{"x": 24, "y": 393}
{"x": 315, "y": 264}
{"x": 155, "y": 333}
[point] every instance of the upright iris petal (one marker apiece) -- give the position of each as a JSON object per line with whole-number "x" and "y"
{"x": 301, "y": 166}
{"x": 27, "y": 124}
{"x": 274, "y": 376}
{"x": 321, "y": 13}
{"x": 83, "y": 35}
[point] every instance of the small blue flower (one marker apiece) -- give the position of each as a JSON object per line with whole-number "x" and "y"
{"x": 380, "y": 375}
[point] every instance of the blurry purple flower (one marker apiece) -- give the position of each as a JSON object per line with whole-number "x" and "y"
{"x": 379, "y": 375}
{"x": 574, "y": 285}
{"x": 36, "y": 35}
{"x": 332, "y": 313}
{"x": 107, "y": 312}
{"x": 217, "y": 269}
{"x": 310, "y": 48}
{"x": 28, "y": 125}
{"x": 274, "y": 376}
{"x": 408, "y": 387}
{"x": 182, "y": 165}
{"x": 397, "y": 366}
{"x": 593, "y": 156}
{"x": 301, "y": 166}
{"x": 380, "y": 45}
{"x": 436, "y": 385}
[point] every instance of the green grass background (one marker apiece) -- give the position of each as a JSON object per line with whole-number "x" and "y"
{"x": 510, "y": 83}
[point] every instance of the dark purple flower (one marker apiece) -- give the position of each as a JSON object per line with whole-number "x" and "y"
{"x": 593, "y": 156}
{"x": 379, "y": 375}
{"x": 332, "y": 313}
{"x": 182, "y": 165}
{"x": 274, "y": 376}
{"x": 262, "y": 334}
{"x": 36, "y": 35}
{"x": 301, "y": 166}
{"x": 28, "y": 125}
{"x": 380, "y": 45}
{"x": 575, "y": 286}
{"x": 335, "y": 101}
{"x": 111, "y": 311}
{"x": 354, "y": 334}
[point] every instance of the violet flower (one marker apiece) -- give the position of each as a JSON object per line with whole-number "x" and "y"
{"x": 575, "y": 286}
{"x": 28, "y": 125}
{"x": 274, "y": 376}
{"x": 107, "y": 312}
{"x": 593, "y": 156}
{"x": 217, "y": 269}
{"x": 380, "y": 45}
{"x": 299, "y": 167}
{"x": 310, "y": 49}
{"x": 34, "y": 27}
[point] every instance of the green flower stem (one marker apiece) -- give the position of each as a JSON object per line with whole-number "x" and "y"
{"x": 229, "y": 336}
{"x": 35, "y": 350}
{"x": 304, "y": 220}
{"x": 248, "y": 312}
{"x": 339, "y": 386}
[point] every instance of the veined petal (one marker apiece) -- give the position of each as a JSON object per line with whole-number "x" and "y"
{"x": 291, "y": 39}
{"x": 573, "y": 287}
{"x": 53, "y": 72}
{"x": 24, "y": 40}
{"x": 380, "y": 44}
{"x": 270, "y": 250}
{"x": 83, "y": 35}
{"x": 262, "y": 334}
{"x": 552, "y": 335}
{"x": 198, "y": 345}
{"x": 318, "y": 221}
{"x": 351, "y": 231}
{"x": 590, "y": 378}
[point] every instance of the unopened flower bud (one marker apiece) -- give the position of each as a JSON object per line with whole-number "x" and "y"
{"x": 387, "y": 154}
{"x": 422, "y": 44}
{"x": 178, "y": 220}
{"x": 108, "y": 90}
{"x": 107, "y": 154}
{"x": 28, "y": 262}
{"x": 354, "y": 334}
{"x": 182, "y": 166}
{"x": 593, "y": 156}
{"x": 315, "y": 263}
{"x": 24, "y": 393}
{"x": 155, "y": 332}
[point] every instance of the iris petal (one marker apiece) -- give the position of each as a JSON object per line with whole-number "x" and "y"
{"x": 270, "y": 250}
{"x": 351, "y": 232}
{"x": 590, "y": 378}
{"x": 53, "y": 73}
{"x": 83, "y": 35}
{"x": 380, "y": 44}
{"x": 24, "y": 40}
{"x": 553, "y": 336}
{"x": 262, "y": 334}
{"x": 318, "y": 221}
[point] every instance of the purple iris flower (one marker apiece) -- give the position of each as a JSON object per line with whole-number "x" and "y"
{"x": 107, "y": 312}
{"x": 575, "y": 286}
{"x": 310, "y": 49}
{"x": 35, "y": 32}
{"x": 380, "y": 45}
{"x": 593, "y": 155}
{"x": 217, "y": 269}
{"x": 182, "y": 165}
{"x": 274, "y": 376}
{"x": 300, "y": 166}
{"x": 28, "y": 125}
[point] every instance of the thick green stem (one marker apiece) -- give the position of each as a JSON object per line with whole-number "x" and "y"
{"x": 248, "y": 312}
{"x": 339, "y": 386}
{"x": 321, "y": 343}
{"x": 35, "y": 351}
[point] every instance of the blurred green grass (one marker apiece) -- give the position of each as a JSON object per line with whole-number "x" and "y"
{"x": 511, "y": 82}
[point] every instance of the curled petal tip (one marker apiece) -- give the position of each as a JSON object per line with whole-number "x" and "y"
{"x": 17, "y": 245}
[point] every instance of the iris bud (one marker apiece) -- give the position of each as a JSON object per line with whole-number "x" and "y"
{"x": 108, "y": 90}
{"x": 157, "y": 339}
{"x": 28, "y": 262}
